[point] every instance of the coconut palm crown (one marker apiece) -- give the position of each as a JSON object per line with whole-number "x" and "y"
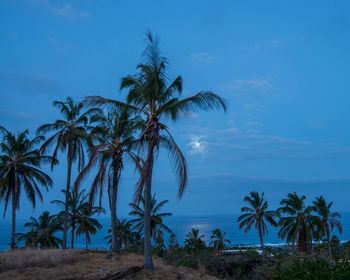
{"x": 78, "y": 211}
{"x": 219, "y": 242}
{"x": 298, "y": 223}
{"x": 42, "y": 232}
{"x": 157, "y": 224}
{"x": 328, "y": 218}
{"x": 257, "y": 215}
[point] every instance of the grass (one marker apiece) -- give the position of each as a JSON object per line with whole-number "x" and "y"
{"x": 21, "y": 259}
{"x": 80, "y": 264}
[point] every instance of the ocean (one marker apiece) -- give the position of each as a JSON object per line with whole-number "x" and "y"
{"x": 181, "y": 225}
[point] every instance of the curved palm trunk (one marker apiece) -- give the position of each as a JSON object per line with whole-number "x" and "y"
{"x": 13, "y": 226}
{"x": 113, "y": 199}
{"x": 148, "y": 262}
{"x": 65, "y": 223}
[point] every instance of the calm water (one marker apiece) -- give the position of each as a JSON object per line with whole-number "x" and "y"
{"x": 182, "y": 225}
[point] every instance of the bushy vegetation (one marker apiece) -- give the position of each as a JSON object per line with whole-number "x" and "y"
{"x": 251, "y": 265}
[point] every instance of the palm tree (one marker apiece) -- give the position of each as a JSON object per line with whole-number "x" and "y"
{"x": 20, "y": 164}
{"x": 219, "y": 242}
{"x": 152, "y": 95}
{"x": 328, "y": 218}
{"x": 78, "y": 209}
{"x": 194, "y": 241}
{"x": 114, "y": 133}
{"x": 156, "y": 224}
{"x": 70, "y": 134}
{"x": 42, "y": 232}
{"x": 257, "y": 214}
{"x": 125, "y": 233}
{"x": 87, "y": 225}
{"x": 300, "y": 224}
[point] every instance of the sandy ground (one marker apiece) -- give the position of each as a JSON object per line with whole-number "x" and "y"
{"x": 96, "y": 266}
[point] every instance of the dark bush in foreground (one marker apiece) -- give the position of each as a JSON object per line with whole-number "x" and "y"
{"x": 314, "y": 269}
{"x": 255, "y": 267}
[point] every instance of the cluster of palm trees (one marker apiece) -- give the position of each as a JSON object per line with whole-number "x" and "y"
{"x": 194, "y": 240}
{"x": 43, "y": 231}
{"x": 299, "y": 224}
{"x": 109, "y": 131}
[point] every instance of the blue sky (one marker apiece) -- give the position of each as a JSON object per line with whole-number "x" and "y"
{"x": 282, "y": 66}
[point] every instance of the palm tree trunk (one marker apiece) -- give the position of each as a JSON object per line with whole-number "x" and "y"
{"x": 65, "y": 223}
{"x": 148, "y": 262}
{"x": 13, "y": 227}
{"x": 113, "y": 199}
{"x": 261, "y": 237}
{"x": 329, "y": 243}
{"x": 73, "y": 230}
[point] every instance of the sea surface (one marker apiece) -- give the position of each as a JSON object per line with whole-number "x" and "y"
{"x": 181, "y": 225}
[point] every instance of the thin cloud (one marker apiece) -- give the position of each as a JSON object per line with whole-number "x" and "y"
{"x": 315, "y": 123}
{"x": 203, "y": 57}
{"x": 29, "y": 83}
{"x": 65, "y": 10}
{"x": 278, "y": 41}
{"x": 247, "y": 85}
{"x": 228, "y": 145}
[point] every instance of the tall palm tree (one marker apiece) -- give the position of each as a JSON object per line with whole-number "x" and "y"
{"x": 70, "y": 134}
{"x": 300, "y": 223}
{"x": 157, "y": 223}
{"x": 257, "y": 214}
{"x": 114, "y": 134}
{"x": 42, "y": 232}
{"x": 20, "y": 164}
{"x": 218, "y": 240}
{"x": 78, "y": 209}
{"x": 152, "y": 95}
{"x": 328, "y": 218}
{"x": 87, "y": 225}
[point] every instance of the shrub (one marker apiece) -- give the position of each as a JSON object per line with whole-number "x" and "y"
{"x": 313, "y": 269}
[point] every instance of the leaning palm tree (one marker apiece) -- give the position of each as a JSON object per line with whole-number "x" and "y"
{"x": 42, "y": 232}
{"x": 299, "y": 225}
{"x": 219, "y": 242}
{"x": 20, "y": 164}
{"x": 157, "y": 224}
{"x": 70, "y": 134}
{"x": 257, "y": 214}
{"x": 152, "y": 95}
{"x": 328, "y": 218}
{"x": 114, "y": 133}
{"x": 78, "y": 208}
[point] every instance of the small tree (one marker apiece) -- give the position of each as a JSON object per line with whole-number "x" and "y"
{"x": 218, "y": 240}
{"x": 193, "y": 241}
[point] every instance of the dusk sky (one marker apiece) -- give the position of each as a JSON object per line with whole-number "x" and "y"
{"x": 283, "y": 67}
